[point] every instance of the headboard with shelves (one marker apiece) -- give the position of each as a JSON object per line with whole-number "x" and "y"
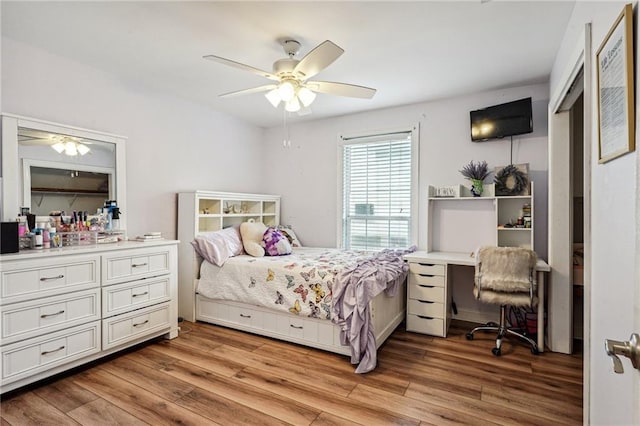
{"x": 209, "y": 211}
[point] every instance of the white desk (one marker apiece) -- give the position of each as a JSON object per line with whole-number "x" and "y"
{"x": 467, "y": 259}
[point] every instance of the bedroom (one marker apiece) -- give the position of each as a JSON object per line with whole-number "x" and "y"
{"x": 105, "y": 96}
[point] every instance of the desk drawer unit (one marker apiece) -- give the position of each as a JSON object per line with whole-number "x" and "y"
{"x": 427, "y": 299}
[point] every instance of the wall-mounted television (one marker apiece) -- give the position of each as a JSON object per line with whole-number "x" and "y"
{"x": 498, "y": 121}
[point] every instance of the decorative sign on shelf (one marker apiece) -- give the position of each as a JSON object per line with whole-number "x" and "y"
{"x": 450, "y": 191}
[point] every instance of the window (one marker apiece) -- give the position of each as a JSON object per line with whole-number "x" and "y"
{"x": 377, "y": 184}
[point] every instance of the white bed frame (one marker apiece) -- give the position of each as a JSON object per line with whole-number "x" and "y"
{"x": 386, "y": 312}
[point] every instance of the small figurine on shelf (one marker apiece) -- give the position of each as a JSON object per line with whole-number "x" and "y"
{"x": 476, "y": 173}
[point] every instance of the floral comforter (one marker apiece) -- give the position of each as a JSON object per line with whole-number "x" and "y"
{"x": 300, "y": 283}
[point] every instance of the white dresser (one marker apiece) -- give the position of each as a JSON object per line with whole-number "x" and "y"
{"x": 60, "y": 308}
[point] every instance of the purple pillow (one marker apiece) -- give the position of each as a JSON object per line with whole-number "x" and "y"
{"x": 275, "y": 244}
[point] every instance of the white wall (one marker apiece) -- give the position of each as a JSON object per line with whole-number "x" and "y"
{"x": 173, "y": 145}
{"x": 306, "y": 173}
{"x": 614, "y": 232}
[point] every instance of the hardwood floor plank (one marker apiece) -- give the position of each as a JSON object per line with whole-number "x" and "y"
{"x": 148, "y": 378}
{"x": 224, "y": 410}
{"x": 529, "y": 402}
{"x": 326, "y": 419}
{"x": 425, "y": 411}
{"x": 295, "y": 372}
{"x": 227, "y": 336}
{"x": 339, "y": 365}
{"x": 65, "y": 395}
{"x": 29, "y": 409}
{"x": 475, "y": 408}
{"x": 197, "y": 341}
{"x": 152, "y": 359}
{"x": 323, "y": 401}
{"x": 100, "y": 412}
{"x": 211, "y": 362}
{"x": 137, "y": 401}
{"x": 266, "y": 402}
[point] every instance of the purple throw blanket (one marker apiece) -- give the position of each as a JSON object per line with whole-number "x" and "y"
{"x": 353, "y": 289}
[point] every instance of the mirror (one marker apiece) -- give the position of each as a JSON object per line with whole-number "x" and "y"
{"x": 51, "y": 168}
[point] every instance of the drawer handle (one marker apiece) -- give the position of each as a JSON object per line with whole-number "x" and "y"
{"x": 426, "y": 275}
{"x": 141, "y": 294}
{"x": 425, "y": 317}
{"x": 245, "y": 316}
{"x": 50, "y": 352}
{"x": 52, "y": 315}
{"x": 425, "y": 301}
{"x": 52, "y": 278}
{"x": 427, "y": 264}
{"x": 426, "y": 286}
{"x": 137, "y": 265}
{"x": 141, "y": 323}
{"x": 299, "y": 327}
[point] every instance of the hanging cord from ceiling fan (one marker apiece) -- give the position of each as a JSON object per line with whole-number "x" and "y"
{"x": 286, "y": 140}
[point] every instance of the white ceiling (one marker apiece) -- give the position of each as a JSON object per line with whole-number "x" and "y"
{"x": 410, "y": 51}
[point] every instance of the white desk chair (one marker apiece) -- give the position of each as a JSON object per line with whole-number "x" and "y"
{"x": 505, "y": 276}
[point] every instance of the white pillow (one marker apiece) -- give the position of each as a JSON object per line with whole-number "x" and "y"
{"x": 216, "y": 247}
{"x": 252, "y": 232}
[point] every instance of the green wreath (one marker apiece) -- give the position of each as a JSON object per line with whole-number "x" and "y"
{"x": 510, "y": 181}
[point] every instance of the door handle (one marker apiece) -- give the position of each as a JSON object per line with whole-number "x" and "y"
{"x": 630, "y": 349}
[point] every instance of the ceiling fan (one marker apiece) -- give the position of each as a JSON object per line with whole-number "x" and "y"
{"x": 291, "y": 77}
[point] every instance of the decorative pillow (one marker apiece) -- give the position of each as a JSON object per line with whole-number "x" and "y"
{"x": 252, "y": 232}
{"x": 216, "y": 247}
{"x": 275, "y": 244}
{"x": 287, "y": 231}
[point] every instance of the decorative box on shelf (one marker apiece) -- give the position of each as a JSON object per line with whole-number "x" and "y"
{"x": 446, "y": 191}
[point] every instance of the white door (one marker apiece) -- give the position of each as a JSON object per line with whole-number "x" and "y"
{"x": 615, "y": 285}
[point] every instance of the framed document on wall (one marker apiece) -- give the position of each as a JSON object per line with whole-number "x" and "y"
{"x": 616, "y": 122}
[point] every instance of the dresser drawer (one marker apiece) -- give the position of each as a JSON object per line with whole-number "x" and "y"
{"x": 134, "y": 264}
{"x": 36, "y": 317}
{"x": 120, "y": 298}
{"x": 426, "y": 325}
{"x": 437, "y": 280}
{"x": 26, "y": 280}
{"x": 424, "y": 292}
{"x": 124, "y": 328}
{"x": 425, "y": 308}
{"x": 426, "y": 268}
{"x": 32, "y": 356}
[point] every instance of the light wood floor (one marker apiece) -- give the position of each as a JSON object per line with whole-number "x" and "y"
{"x": 213, "y": 375}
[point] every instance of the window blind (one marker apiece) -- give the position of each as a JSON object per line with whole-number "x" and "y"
{"x": 377, "y": 192}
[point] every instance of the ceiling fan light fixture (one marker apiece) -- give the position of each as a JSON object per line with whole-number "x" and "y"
{"x": 70, "y": 149}
{"x": 273, "y": 96}
{"x": 306, "y": 96}
{"x": 286, "y": 91}
{"x": 293, "y": 105}
{"x": 82, "y": 149}
{"x": 58, "y": 147}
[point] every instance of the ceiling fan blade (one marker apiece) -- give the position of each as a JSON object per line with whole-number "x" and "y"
{"x": 249, "y": 91}
{"x": 318, "y": 59}
{"x": 245, "y": 67}
{"x": 341, "y": 89}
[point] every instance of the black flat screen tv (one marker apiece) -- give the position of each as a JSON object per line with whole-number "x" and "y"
{"x": 498, "y": 121}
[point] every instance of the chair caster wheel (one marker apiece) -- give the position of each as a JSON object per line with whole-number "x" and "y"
{"x": 496, "y": 351}
{"x": 535, "y": 351}
{"x": 469, "y": 336}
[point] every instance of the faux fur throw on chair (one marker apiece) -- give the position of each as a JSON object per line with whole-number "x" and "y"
{"x": 506, "y": 275}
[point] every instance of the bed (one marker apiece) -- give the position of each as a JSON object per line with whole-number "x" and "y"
{"x": 308, "y": 297}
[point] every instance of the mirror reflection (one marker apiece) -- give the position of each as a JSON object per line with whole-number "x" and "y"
{"x": 64, "y": 172}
